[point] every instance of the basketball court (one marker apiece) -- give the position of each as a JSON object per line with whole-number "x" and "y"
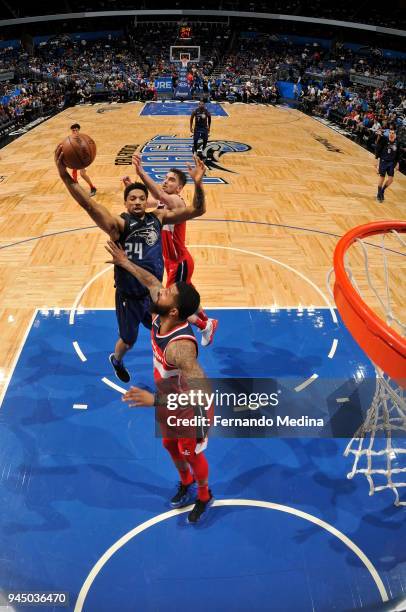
{"x": 85, "y": 482}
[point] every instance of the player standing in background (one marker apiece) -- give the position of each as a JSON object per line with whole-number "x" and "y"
{"x": 179, "y": 264}
{"x": 75, "y": 131}
{"x": 177, "y": 371}
{"x": 388, "y": 153}
{"x": 202, "y": 122}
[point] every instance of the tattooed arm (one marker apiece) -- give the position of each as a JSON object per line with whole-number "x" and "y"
{"x": 181, "y": 354}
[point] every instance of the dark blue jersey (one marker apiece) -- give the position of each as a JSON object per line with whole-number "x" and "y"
{"x": 202, "y": 119}
{"x": 141, "y": 240}
{"x": 386, "y": 151}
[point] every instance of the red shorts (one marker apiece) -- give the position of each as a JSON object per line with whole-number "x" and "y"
{"x": 180, "y": 271}
{"x": 187, "y": 446}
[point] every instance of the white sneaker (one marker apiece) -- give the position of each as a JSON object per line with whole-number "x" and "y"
{"x": 209, "y": 331}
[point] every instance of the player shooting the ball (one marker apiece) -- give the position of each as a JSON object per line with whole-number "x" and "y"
{"x": 139, "y": 234}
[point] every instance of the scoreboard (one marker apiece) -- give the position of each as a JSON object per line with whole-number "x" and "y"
{"x": 185, "y": 32}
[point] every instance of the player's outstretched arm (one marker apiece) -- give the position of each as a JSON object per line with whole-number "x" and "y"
{"x": 172, "y": 201}
{"x": 101, "y": 216}
{"x": 119, "y": 258}
{"x": 198, "y": 207}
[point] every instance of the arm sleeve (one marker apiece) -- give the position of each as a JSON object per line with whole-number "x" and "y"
{"x": 398, "y": 151}
{"x": 379, "y": 147}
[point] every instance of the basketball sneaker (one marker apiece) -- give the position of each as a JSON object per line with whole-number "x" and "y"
{"x": 209, "y": 331}
{"x": 93, "y": 191}
{"x": 119, "y": 368}
{"x": 184, "y": 495}
{"x": 199, "y": 510}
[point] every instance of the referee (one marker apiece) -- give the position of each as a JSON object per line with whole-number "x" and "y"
{"x": 202, "y": 122}
{"x": 388, "y": 153}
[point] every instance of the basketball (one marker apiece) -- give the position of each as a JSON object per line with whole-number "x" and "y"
{"x": 79, "y": 151}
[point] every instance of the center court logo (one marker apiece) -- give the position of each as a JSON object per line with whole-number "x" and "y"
{"x": 161, "y": 153}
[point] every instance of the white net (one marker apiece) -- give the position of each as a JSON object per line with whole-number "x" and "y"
{"x": 378, "y": 447}
{"x": 378, "y": 453}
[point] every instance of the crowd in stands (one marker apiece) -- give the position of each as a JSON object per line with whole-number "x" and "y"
{"x": 274, "y": 57}
{"x": 62, "y": 72}
{"x": 28, "y": 101}
{"x": 364, "y": 113}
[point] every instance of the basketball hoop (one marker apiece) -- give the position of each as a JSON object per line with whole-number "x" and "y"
{"x": 184, "y": 60}
{"x": 378, "y": 454}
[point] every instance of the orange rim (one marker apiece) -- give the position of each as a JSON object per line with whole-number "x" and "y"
{"x": 383, "y": 345}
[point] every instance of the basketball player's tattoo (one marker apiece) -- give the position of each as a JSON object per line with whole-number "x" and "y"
{"x": 182, "y": 354}
{"x": 199, "y": 197}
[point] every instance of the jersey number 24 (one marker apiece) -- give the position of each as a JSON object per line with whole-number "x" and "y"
{"x": 132, "y": 249}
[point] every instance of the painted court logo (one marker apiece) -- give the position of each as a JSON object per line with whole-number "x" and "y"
{"x": 164, "y": 152}
{"x": 330, "y": 147}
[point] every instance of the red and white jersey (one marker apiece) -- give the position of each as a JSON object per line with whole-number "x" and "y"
{"x": 164, "y": 370}
{"x": 168, "y": 379}
{"x": 173, "y": 240}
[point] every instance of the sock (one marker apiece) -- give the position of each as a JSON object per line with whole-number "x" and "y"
{"x": 200, "y": 469}
{"x": 201, "y": 324}
{"x": 383, "y": 188}
{"x": 173, "y": 449}
{"x": 203, "y": 493}
{"x": 75, "y": 175}
{"x": 202, "y": 315}
{"x": 380, "y": 190}
{"x": 116, "y": 361}
{"x": 186, "y": 477}
{"x": 92, "y": 186}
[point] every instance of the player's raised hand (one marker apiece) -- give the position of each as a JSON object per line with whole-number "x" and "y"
{"x": 60, "y": 164}
{"x": 136, "y": 159}
{"x": 197, "y": 173}
{"x": 138, "y": 397}
{"x": 119, "y": 256}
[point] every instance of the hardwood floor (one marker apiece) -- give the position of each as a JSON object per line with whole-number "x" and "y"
{"x": 267, "y": 238}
